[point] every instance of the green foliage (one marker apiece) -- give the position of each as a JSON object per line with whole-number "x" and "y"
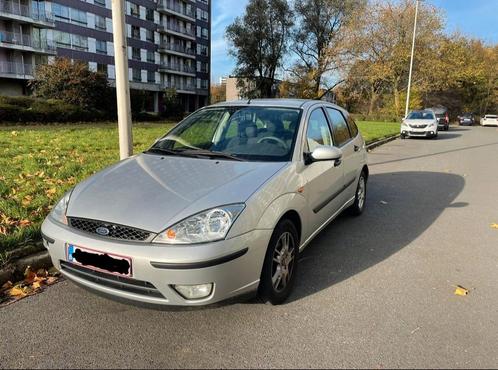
{"x": 173, "y": 107}
{"x": 28, "y": 109}
{"x": 258, "y": 42}
{"x": 73, "y": 83}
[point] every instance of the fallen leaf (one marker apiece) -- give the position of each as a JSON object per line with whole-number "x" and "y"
{"x": 494, "y": 226}
{"x": 460, "y": 290}
{"x": 29, "y": 275}
{"x": 17, "y": 291}
{"x": 7, "y": 285}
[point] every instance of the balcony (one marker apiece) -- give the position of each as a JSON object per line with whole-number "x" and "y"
{"x": 175, "y": 8}
{"x": 177, "y": 68}
{"x": 177, "y": 30}
{"x": 25, "y": 14}
{"x": 176, "y": 49}
{"x": 180, "y": 87}
{"x": 16, "y": 70}
{"x": 24, "y": 42}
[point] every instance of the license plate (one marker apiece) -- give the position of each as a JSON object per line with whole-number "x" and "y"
{"x": 100, "y": 261}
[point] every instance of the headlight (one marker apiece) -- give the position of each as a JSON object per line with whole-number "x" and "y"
{"x": 59, "y": 211}
{"x": 206, "y": 226}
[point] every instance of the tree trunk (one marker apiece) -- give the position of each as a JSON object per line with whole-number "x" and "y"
{"x": 373, "y": 100}
{"x": 396, "y": 97}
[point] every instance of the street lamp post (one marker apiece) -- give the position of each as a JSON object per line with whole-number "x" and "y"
{"x": 122, "y": 81}
{"x": 411, "y": 60}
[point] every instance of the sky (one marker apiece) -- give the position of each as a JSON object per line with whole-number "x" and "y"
{"x": 476, "y": 18}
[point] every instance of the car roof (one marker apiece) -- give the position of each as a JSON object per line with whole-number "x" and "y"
{"x": 285, "y": 103}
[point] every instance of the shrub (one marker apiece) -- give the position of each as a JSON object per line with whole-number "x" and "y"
{"x": 28, "y": 109}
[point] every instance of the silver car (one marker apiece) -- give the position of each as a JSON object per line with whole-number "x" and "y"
{"x": 219, "y": 207}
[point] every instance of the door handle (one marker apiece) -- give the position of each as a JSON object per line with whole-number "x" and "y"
{"x": 356, "y": 148}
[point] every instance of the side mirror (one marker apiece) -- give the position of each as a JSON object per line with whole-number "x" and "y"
{"x": 324, "y": 153}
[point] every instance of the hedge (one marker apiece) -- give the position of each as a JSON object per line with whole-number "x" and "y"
{"x": 376, "y": 117}
{"x": 24, "y": 109}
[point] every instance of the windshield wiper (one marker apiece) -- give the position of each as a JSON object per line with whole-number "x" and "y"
{"x": 211, "y": 154}
{"x": 156, "y": 150}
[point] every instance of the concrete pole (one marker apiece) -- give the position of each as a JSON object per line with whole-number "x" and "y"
{"x": 411, "y": 62}
{"x": 122, "y": 81}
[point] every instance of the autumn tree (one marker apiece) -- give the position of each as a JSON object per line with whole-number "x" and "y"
{"x": 319, "y": 42}
{"x": 218, "y": 93}
{"x": 73, "y": 83}
{"x": 258, "y": 41}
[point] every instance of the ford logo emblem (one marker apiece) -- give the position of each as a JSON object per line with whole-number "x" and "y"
{"x": 104, "y": 231}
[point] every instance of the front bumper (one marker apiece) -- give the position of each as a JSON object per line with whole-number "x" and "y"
{"x": 232, "y": 265}
{"x": 412, "y": 132}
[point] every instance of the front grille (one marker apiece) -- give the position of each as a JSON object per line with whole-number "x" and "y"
{"x": 418, "y": 126}
{"x": 114, "y": 231}
{"x": 139, "y": 287}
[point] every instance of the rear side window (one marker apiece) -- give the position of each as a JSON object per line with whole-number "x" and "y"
{"x": 352, "y": 127}
{"x": 340, "y": 129}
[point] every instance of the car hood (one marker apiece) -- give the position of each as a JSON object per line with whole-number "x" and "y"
{"x": 418, "y": 121}
{"x": 152, "y": 192}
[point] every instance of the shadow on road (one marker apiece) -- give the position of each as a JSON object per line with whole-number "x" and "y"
{"x": 414, "y": 200}
{"x": 432, "y": 154}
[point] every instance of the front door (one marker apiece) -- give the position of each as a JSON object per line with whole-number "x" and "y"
{"x": 324, "y": 180}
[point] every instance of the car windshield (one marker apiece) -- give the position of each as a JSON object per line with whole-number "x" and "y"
{"x": 421, "y": 115}
{"x": 240, "y": 133}
{"x": 467, "y": 115}
{"x": 491, "y": 116}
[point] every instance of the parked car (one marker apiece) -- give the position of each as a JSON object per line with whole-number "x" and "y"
{"x": 220, "y": 206}
{"x": 420, "y": 123}
{"x": 443, "y": 118}
{"x": 489, "y": 120}
{"x": 466, "y": 119}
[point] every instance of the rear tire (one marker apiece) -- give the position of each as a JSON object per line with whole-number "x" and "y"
{"x": 280, "y": 266}
{"x": 358, "y": 206}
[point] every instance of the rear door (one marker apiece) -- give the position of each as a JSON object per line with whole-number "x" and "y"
{"x": 350, "y": 146}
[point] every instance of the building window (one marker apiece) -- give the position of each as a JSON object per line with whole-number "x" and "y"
{"x": 151, "y": 76}
{"x": 101, "y": 46}
{"x": 61, "y": 12}
{"x": 79, "y": 42}
{"x": 134, "y": 10}
{"x": 149, "y": 35}
{"x": 202, "y": 15}
{"x": 135, "y": 32}
{"x": 135, "y": 54}
{"x": 202, "y": 50}
{"x": 149, "y": 15}
{"x": 78, "y": 16}
{"x": 205, "y": 33}
{"x": 137, "y": 75}
{"x": 100, "y": 23}
{"x": 150, "y": 56}
{"x": 204, "y": 1}
{"x": 99, "y": 2}
{"x": 204, "y": 84}
{"x": 102, "y": 68}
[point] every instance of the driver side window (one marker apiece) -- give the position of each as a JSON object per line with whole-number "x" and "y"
{"x": 318, "y": 132}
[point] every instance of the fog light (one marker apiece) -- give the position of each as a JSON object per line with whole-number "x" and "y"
{"x": 194, "y": 291}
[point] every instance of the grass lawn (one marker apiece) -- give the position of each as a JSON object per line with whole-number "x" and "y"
{"x": 39, "y": 163}
{"x": 372, "y": 131}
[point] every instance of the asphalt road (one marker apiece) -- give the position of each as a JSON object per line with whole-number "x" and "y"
{"x": 375, "y": 291}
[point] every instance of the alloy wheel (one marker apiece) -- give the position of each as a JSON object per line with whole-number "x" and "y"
{"x": 283, "y": 262}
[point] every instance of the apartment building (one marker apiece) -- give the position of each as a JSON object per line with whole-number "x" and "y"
{"x": 168, "y": 43}
{"x": 25, "y": 26}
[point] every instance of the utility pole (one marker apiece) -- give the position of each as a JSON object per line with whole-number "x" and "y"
{"x": 411, "y": 61}
{"x": 122, "y": 81}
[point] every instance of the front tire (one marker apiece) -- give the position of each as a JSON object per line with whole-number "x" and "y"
{"x": 358, "y": 206}
{"x": 280, "y": 266}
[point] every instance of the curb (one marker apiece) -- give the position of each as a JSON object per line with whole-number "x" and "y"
{"x": 380, "y": 142}
{"x": 15, "y": 271}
